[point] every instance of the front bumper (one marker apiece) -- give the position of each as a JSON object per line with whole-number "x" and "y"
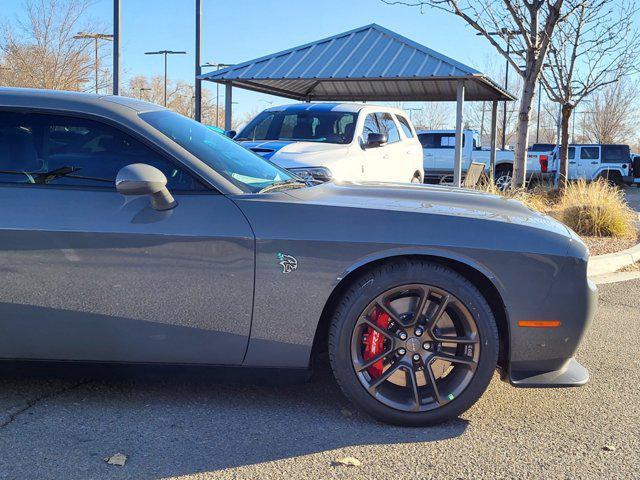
{"x": 544, "y": 357}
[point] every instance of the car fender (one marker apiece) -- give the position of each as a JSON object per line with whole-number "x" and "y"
{"x": 440, "y": 253}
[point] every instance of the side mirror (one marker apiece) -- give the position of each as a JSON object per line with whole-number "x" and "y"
{"x": 376, "y": 140}
{"x": 230, "y": 133}
{"x": 142, "y": 179}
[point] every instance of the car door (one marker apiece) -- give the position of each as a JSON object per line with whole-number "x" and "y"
{"x": 589, "y": 162}
{"x": 393, "y": 166}
{"x": 91, "y": 275}
{"x": 573, "y": 163}
{"x": 372, "y": 157}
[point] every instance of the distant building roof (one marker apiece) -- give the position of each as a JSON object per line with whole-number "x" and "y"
{"x": 367, "y": 63}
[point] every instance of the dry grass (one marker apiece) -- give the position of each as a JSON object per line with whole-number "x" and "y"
{"x": 588, "y": 208}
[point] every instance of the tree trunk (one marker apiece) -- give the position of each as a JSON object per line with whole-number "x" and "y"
{"x": 524, "y": 116}
{"x": 563, "y": 172}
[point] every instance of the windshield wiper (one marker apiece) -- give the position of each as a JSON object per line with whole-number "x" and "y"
{"x": 283, "y": 184}
{"x": 47, "y": 177}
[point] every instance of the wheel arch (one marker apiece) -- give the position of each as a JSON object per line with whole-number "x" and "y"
{"x": 483, "y": 280}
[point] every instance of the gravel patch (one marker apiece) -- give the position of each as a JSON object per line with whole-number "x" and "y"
{"x": 603, "y": 245}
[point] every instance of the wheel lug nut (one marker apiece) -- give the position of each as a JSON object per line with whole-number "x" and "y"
{"x": 402, "y": 335}
{"x": 418, "y": 331}
{"x": 416, "y": 357}
{"x": 401, "y": 351}
{"x": 426, "y": 346}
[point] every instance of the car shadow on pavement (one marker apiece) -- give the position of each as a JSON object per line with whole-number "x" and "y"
{"x": 171, "y": 426}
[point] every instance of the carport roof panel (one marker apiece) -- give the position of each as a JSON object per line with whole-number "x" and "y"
{"x": 367, "y": 63}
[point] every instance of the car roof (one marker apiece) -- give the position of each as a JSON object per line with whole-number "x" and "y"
{"x": 332, "y": 107}
{"x": 72, "y": 101}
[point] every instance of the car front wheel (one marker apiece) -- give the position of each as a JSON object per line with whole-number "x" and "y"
{"x": 413, "y": 343}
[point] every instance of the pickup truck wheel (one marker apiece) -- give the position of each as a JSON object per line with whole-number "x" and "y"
{"x": 413, "y": 343}
{"x": 503, "y": 178}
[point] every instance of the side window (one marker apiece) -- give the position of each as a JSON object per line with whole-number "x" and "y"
{"x": 388, "y": 126}
{"x": 370, "y": 126}
{"x": 589, "y": 153}
{"x": 616, "y": 154}
{"x": 572, "y": 153}
{"x": 404, "y": 124}
{"x": 58, "y": 150}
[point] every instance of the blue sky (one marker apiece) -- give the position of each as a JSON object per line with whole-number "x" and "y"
{"x": 235, "y": 31}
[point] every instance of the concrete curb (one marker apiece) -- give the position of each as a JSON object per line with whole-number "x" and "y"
{"x": 612, "y": 262}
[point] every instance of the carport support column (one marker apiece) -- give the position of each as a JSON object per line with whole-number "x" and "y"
{"x": 494, "y": 142}
{"x": 457, "y": 168}
{"x": 228, "y": 100}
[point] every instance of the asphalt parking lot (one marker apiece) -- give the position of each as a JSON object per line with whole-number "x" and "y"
{"x": 632, "y": 195}
{"x": 64, "y": 428}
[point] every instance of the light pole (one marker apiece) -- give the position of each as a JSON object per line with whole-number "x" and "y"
{"x": 143, "y": 89}
{"x": 218, "y": 67}
{"x": 165, "y": 53}
{"x": 506, "y": 34}
{"x": 95, "y": 37}
{"x": 116, "y": 47}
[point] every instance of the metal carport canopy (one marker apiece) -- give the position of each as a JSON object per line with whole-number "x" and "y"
{"x": 369, "y": 63}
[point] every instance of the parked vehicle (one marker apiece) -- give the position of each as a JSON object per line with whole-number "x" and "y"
{"x": 635, "y": 168}
{"x": 131, "y": 234}
{"x": 341, "y": 141}
{"x": 591, "y": 162}
{"x": 438, "y": 155}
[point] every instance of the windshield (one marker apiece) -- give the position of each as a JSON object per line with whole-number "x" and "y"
{"x": 243, "y": 168}
{"x": 304, "y": 125}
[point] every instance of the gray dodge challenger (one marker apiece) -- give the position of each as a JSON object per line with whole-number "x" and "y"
{"x": 130, "y": 234}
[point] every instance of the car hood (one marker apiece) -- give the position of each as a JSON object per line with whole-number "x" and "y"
{"x": 291, "y": 154}
{"x": 436, "y": 200}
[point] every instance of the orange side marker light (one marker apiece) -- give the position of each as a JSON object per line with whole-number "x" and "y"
{"x": 539, "y": 323}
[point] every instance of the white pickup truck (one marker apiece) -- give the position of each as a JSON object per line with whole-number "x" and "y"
{"x": 438, "y": 151}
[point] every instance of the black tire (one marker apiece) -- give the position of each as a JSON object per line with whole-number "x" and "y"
{"x": 613, "y": 177}
{"x": 503, "y": 173}
{"x": 374, "y": 283}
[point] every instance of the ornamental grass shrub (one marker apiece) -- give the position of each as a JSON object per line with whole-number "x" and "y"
{"x": 588, "y": 208}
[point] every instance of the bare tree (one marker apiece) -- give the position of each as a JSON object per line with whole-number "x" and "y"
{"x": 612, "y": 113}
{"x": 180, "y": 97}
{"x": 520, "y": 30}
{"x": 597, "y": 45}
{"x": 39, "y": 50}
{"x": 434, "y": 116}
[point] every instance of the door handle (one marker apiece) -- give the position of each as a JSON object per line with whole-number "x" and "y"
{"x": 572, "y": 163}
{"x": 594, "y": 163}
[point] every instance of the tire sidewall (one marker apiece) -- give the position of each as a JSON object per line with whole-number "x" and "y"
{"x": 377, "y": 283}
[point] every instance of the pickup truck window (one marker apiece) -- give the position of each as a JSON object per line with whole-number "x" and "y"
{"x": 388, "y": 126}
{"x": 572, "y": 153}
{"x": 589, "y": 153}
{"x": 404, "y": 123}
{"x": 439, "y": 140}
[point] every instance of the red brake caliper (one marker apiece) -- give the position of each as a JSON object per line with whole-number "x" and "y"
{"x": 374, "y": 342}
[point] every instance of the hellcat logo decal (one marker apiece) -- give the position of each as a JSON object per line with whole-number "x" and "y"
{"x": 287, "y": 262}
